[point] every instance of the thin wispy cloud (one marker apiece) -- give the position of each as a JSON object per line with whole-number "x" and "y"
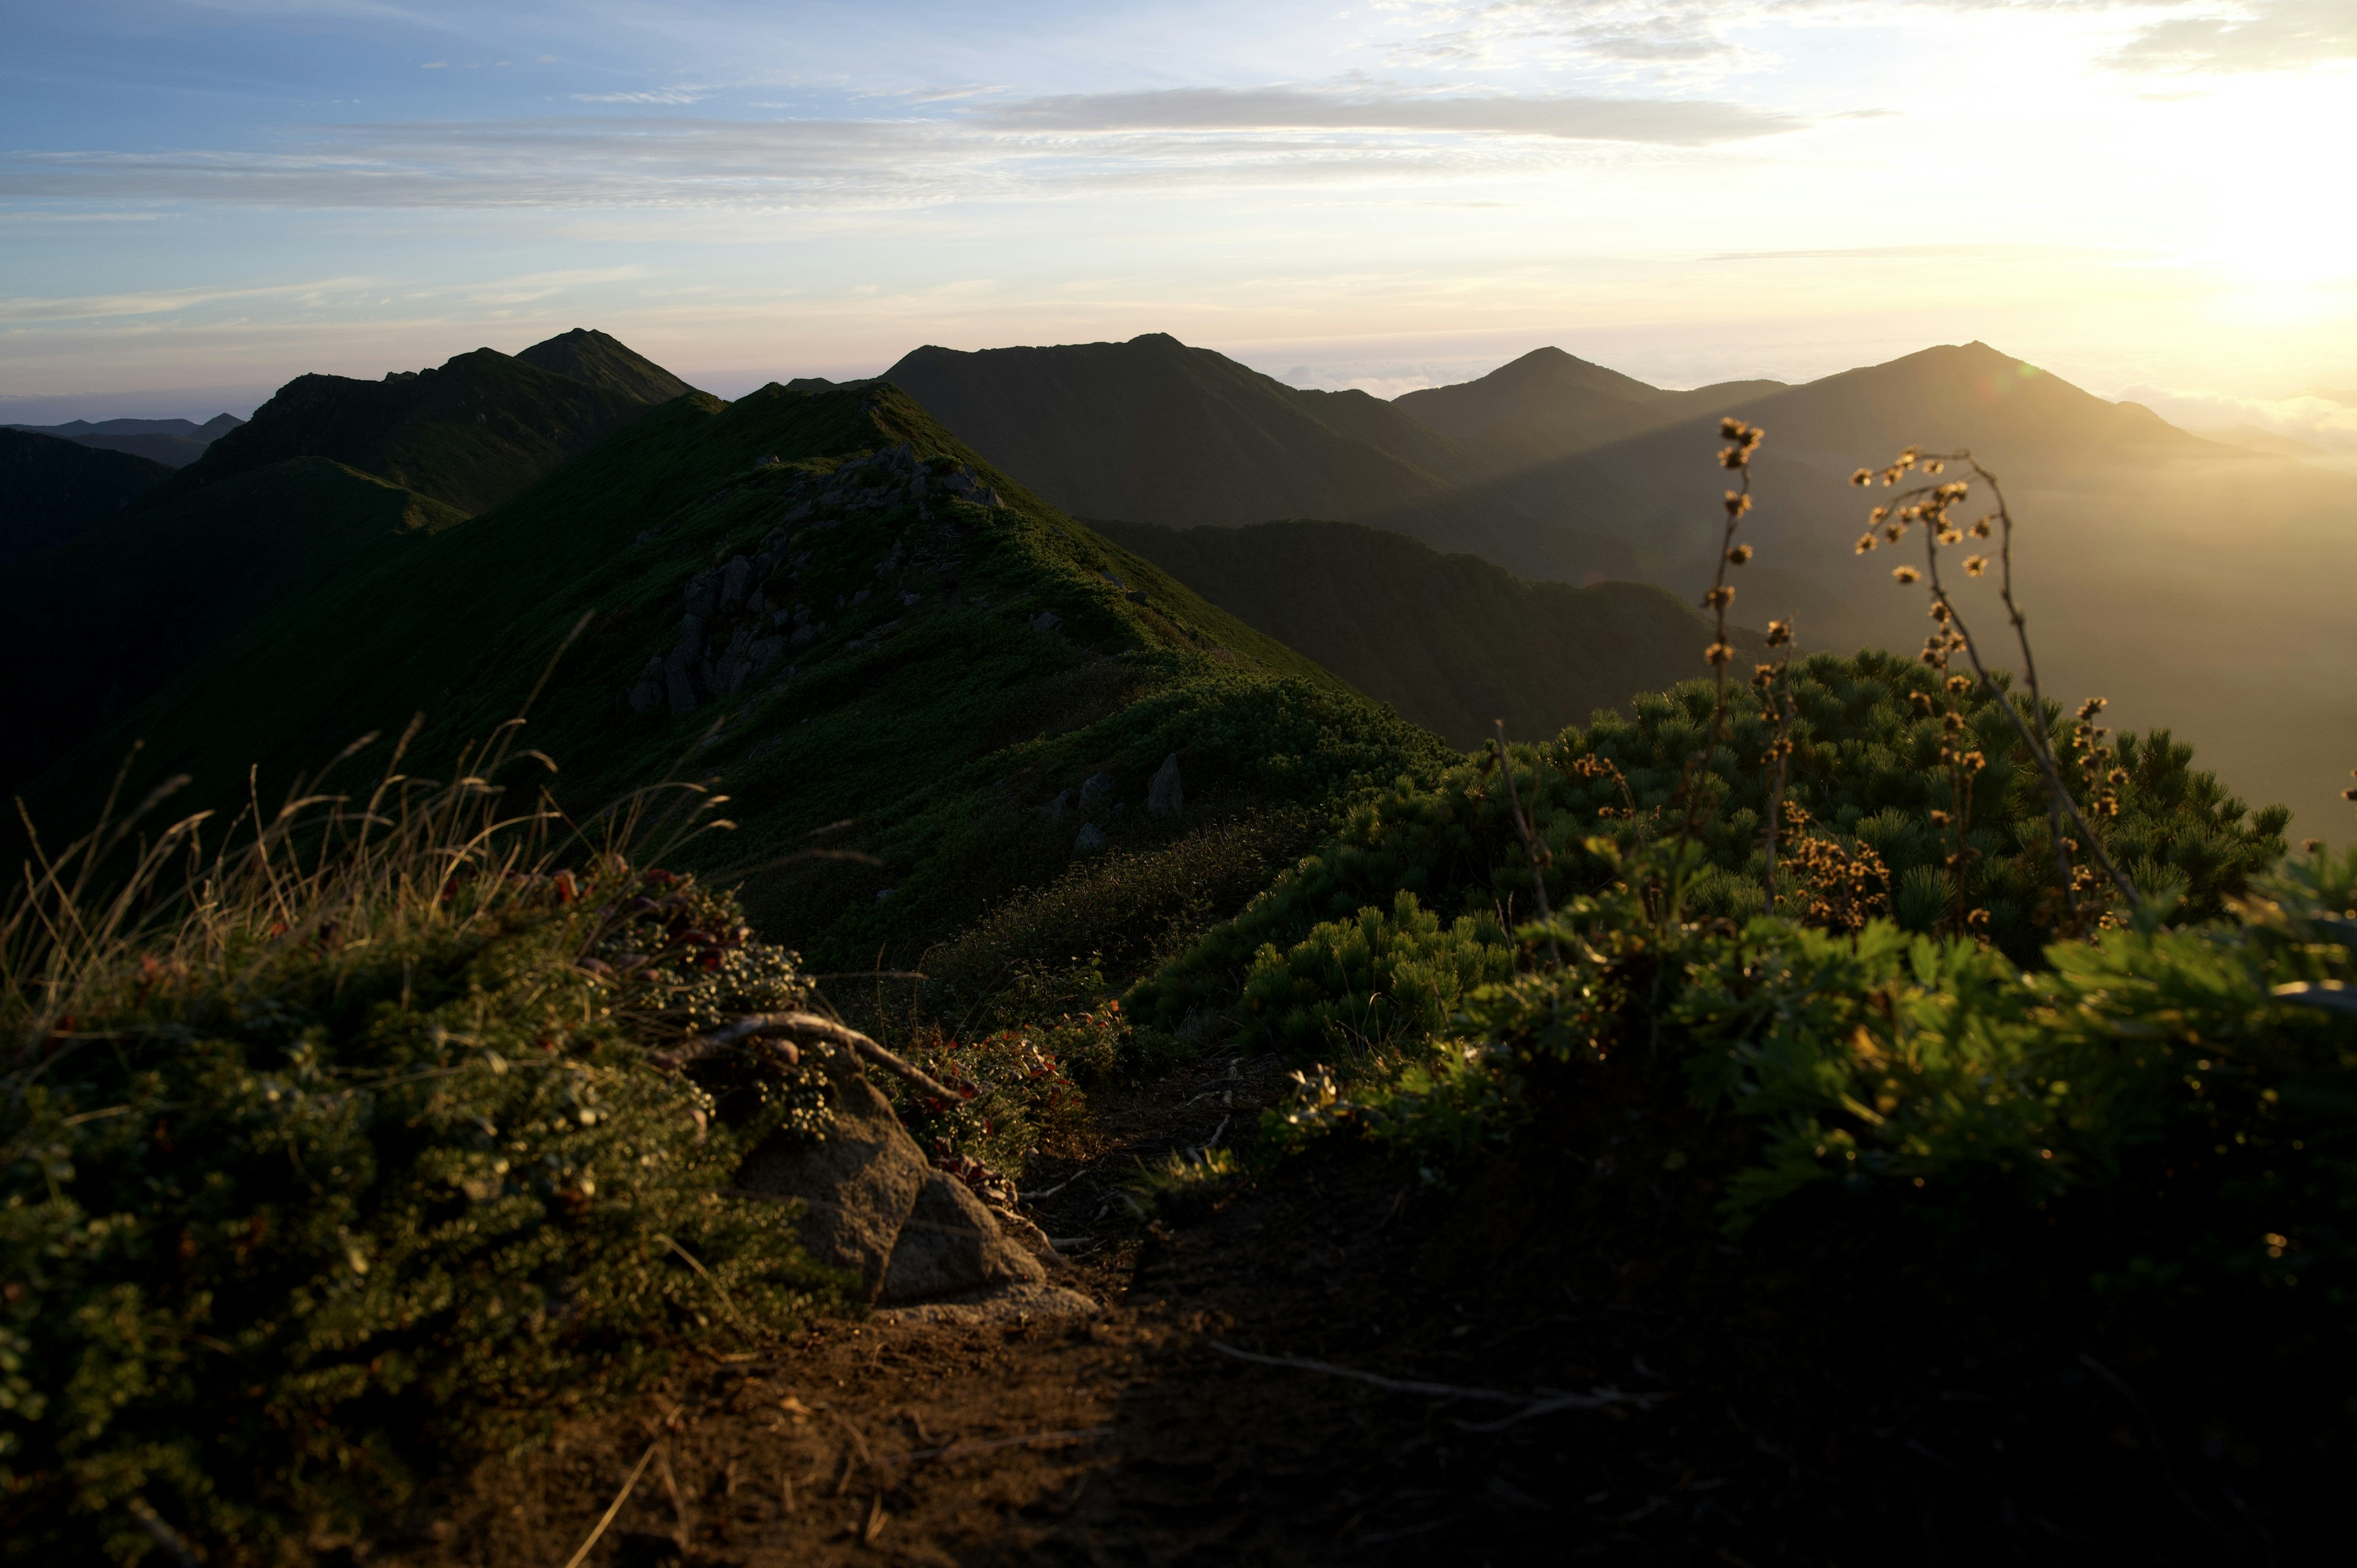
{"x": 1044, "y": 148}
{"x": 157, "y": 301}
{"x": 1669, "y": 121}
{"x": 676, "y": 95}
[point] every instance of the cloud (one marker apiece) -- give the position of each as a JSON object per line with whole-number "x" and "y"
{"x": 2321, "y": 422}
{"x": 669, "y": 96}
{"x": 1663, "y": 121}
{"x": 2270, "y": 35}
{"x": 154, "y": 302}
{"x": 1043, "y": 148}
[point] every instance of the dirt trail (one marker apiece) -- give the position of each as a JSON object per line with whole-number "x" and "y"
{"x": 1134, "y": 1437}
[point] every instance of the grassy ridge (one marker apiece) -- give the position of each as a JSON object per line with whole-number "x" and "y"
{"x": 936, "y": 727}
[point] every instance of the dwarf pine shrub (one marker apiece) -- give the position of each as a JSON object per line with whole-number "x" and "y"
{"x": 1370, "y": 982}
{"x": 347, "y": 1161}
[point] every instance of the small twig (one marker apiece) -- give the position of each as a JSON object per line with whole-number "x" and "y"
{"x": 966, "y": 1445}
{"x": 689, "y": 1258}
{"x": 615, "y": 1507}
{"x": 1529, "y": 845}
{"x": 1531, "y": 1405}
{"x": 811, "y": 1025}
{"x": 167, "y": 1539}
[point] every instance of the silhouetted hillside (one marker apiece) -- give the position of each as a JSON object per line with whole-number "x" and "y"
{"x": 1548, "y": 403}
{"x": 1451, "y": 641}
{"x": 469, "y": 433}
{"x": 588, "y": 354}
{"x": 51, "y": 489}
{"x": 1154, "y": 431}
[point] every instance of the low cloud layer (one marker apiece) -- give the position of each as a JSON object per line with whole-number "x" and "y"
{"x": 2316, "y": 427}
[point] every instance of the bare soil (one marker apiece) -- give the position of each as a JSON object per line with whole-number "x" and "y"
{"x": 1772, "y": 1428}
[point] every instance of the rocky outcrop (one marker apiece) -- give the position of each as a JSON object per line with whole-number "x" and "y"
{"x": 1164, "y": 797}
{"x": 742, "y": 616}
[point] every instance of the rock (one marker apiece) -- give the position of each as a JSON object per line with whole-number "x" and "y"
{"x": 1164, "y": 797}
{"x": 1090, "y": 837}
{"x": 950, "y": 1245}
{"x": 704, "y": 594}
{"x": 858, "y": 1185}
{"x": 691, "y": 635}
{"x": 765, "y": 652}
{"x": 646, "y": 536}
{"x": 1054, "y": 809}
{"x": 1099, "y": 786}
{"x": 735, "y": 581}
{"x": 1046, "y": 620}
{"x": 679, "y": 683}
{"x": 647, "y": 692}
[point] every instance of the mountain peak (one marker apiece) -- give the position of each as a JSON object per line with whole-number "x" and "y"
{"x": 586, "y": 354}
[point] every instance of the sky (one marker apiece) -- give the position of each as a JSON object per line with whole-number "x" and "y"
{"x": 200, "y": 198}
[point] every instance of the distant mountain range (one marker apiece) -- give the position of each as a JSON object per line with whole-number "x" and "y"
{"x": 174, "y": 443}
{"x": 2195, "y": 585}
{"x": 2198, "y": 585}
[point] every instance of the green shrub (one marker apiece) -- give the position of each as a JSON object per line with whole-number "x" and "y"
{"x": 1864, "y": 768}
{"x": 352, "y": 1164}
{"x": 1373, "y": 981}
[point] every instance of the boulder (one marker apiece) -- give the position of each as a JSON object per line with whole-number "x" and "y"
{"x": 858, "y": 1187}
{"x": 1046, "y": 620}
{"x": 1090, "y": 837}
{"x": 704, "y": 594}
{"x": 1054, "y": 809}
{"x": 1164, "y": 797}
{"x": 950, "y": 1245}
{"x": 648, "y": 691}
{"x": 735, "y": 581}
{"x": 1099, "y": 786}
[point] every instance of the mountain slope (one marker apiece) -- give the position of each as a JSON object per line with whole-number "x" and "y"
{"x": 169, "y": 587}
{"x": 1451, "y": 641}
{"x": 1154, "y": 431}
{"x": 885, "y": 632}
{"x": 469, "y": 434}
{"x": 588, "y": 354}
{"x": 52, "y": 488}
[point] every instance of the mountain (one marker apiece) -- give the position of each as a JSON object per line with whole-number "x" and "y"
{"x": 588, "y": 354}
{"x": 1548, "y": 403}
{"x": 52, "y": 488}
{"x": 819, "y": 601}
{"x": 1452, "y": 641}
{"x": 469, "y": 434}
{"x": 174, "y": 443}
{"x": 1154, "y": 431}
